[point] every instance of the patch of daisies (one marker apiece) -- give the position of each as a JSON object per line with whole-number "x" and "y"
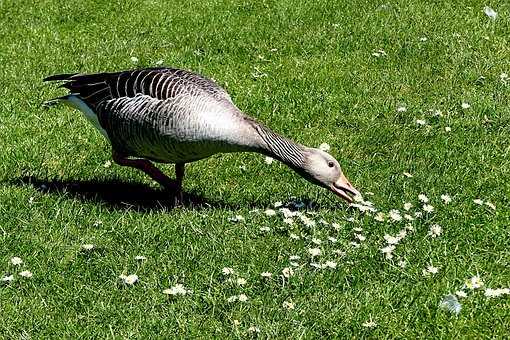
{"x": 17, "y": 271}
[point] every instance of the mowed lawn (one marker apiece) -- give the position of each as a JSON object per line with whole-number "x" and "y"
{"x": 392, "y": 87}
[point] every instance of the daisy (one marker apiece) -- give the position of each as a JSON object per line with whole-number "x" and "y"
{"x": 266, "y": 275}
{"x": 287, "y": 272}
{"x": 335, "y": 226}
{"x": 401, "y": 109}
{"x": 16, "y": 261}
{"x": 446, "y": 198}
{"x": 254, "y": 329}
{"x": 478, "y": 201}
{"x": 107, "y": 164}
{"x": 232, "y": 299}
{"x": 430, "y": 270}
{"x": 395, "y": 215}
{"x": 435, "y": 230}
{"x": 134, "y": 60}
{"x": 461, "y": 294}
{"x": 7, "y": 278}
{"x": 408, "y": 217}
{"x": 402, "y": 264}
{"x": 324, "y": 147}
{"x": 314, "y": 251}
{"x": 242, "y": 297}
{"x": 288, "y": 305}
{"x": 423, "y": 198}
{"x": 490, "y": 205}
{"x": 448, "y": 129}
{"x": 178, "y": 289}
{"x": 474, "y": 283}
{"x": 140, "y": 258}
{"x": 316, "y": 241}
{"x": 423, "y": 39}
{"x": 277, "y": 204}
{"x": 421, "y": 122}
{"x": 332, "y": 239}
{"x": 294, "y": 236}
{"x": 87, "y": 246}
{"x": 26, "y": 273}
{"x": 428, "y": 208}
{"x": 360, "y": 237}
{"x": 358, "y": 229}
{"x": 407, "y": 206}
{"x": 369, "y": 324}
{"x": 227, "y": 271}
{"x": 268, "y": 160}
{"x": 379, "y": 217}
{"x": 241, "y": 281}
{"x": 388, "y": 251}
{"x": 270, "y": 212}
{"x": 490, "y": 12}
{"x": 129, "y": 279}
{"x": 265, "y": 229}
{"x": 288, "y": 221}
{"x": 465, "y": 105}
{"x": 330, "y": 264}
{"x": 391, "y": 239}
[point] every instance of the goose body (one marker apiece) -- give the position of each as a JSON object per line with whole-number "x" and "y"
{"x": 176, "y": 116}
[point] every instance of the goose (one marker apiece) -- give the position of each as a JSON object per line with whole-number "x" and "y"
{"x": 170, "y": 115}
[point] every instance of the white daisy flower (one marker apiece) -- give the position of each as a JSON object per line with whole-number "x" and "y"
{"x": 332, "y": 239}
{"x": 254, "y": 329}
{"x": 294, "y": 236}
{"x": 268, "y": 160}
{"x": 232, "y": 299}
{"x": 288, "y": 305}
{"x": 242, "y": 297}
{"x": 474, "y": 283}
{"x": 428, "y": 208}
{"x": 379, "y": 217}
{"x": 267, "y": 275}
{"x": 478, "y": 201}
{"x": 446, "y": 198}
{"x": 107, "y": 164}
{"x": 358, "y": 229}
{"x": 388, "y": 251}
{"x": 461, "y": 294}
{"x": 408, "y": 217}
{"x": 324, "y": 147}
{"x": 395, "y": 215}
{"x": 369, "y": 324}
{"x": 435, "y": 230}
{"x": 401, "y": 109}
{"x": 330, "y": 264}
{"x": 87, "y": 246}
{"x": 423, "y": 39}
{"x": 16, "y": 261}
{"x": 8, "y": 278}
{"x": 421, "y": 122}
{"x": 294, "y": 257}
{"x": 391, "y": 239}
{"x": 465, "y": 105}
{"x": 26, "y": 273}
{"x": 360, "y": 237}
{"x": 287, "y": 272}
{"x": 335, "y": 226}
{"x": 402, "y": 264}
{"x": 270, "y": 212}
{"x": 316, "y": 241}
{"x": 418, "y": 214}
{"x": 314, "y": 251}
{"x": 430, "y": 270}
{"x": 355, "y": 244}
{"x": 407, "y": 206}
{"x": 129, "y": 279}
{"x": 490, "y": 205}
{"x": 241, "y": 281}
{"x": 448, "y": 129}
{"x": 140, "y": 258}
{"x": 178, "y": 289}
{"x": 264, "y": 229}
{"x": 423, "y": 198}
{"x": 277, "y": 204}
{"x": 288, "y": 221}
{"x": 227, "y": 271}
{"x": 134, "y": 60}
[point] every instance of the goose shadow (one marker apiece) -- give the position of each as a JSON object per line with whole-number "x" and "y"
{"x": 118, "y": 194}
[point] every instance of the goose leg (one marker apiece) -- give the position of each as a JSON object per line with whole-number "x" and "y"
{"x": 148, "y": 168}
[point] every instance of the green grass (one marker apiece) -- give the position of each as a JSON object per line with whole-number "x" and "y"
{"x": 305, "y": 69}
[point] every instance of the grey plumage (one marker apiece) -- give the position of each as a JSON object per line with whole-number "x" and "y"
{"x": 176, "y": 116}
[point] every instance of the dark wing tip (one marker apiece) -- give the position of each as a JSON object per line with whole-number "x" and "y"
{"x": 65, "y": 76}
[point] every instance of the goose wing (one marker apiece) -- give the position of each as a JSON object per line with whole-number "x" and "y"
{"x": 158, "y": 83}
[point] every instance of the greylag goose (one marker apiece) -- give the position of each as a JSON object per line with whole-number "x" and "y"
{"x": 175, "y": 116}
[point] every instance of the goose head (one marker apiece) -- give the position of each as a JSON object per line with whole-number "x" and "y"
{"x": 324, "y": 170}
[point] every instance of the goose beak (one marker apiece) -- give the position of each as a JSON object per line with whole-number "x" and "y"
{"x": 344, "y": 189}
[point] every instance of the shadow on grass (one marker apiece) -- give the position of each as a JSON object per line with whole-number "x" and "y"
{"x": 118, "y": 194}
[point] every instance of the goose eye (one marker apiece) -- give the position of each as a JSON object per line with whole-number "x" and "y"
{"x": 330, "y": 164}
